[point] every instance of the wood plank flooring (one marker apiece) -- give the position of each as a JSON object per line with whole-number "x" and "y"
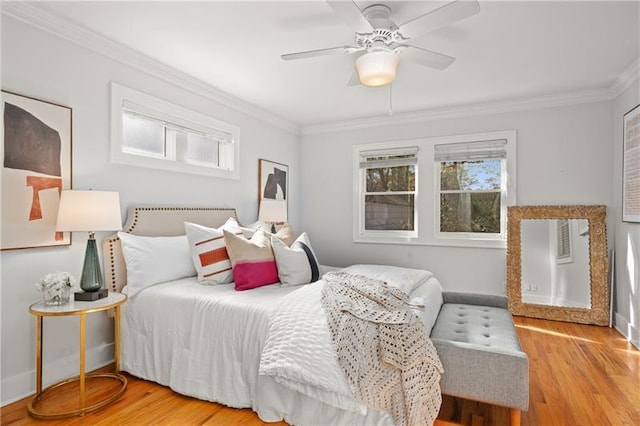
{"x": 579, "y": 375}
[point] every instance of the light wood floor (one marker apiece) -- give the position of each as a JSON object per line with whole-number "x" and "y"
{"x": 579, "y": 375}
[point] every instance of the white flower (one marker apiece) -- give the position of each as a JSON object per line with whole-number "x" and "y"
{"x": 55, "y": 282}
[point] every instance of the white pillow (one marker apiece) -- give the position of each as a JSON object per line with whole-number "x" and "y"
{"x": 249, "y": 230}
{"x": 405, "y": 279}
{"x": 153, "y": 260}
{"x": 209, "y": 251}
{"x": 428, "y": 294}
{"x": 297, "y": 264}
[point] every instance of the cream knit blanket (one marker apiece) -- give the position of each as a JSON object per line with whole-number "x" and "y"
{"x": 382, "y": 346}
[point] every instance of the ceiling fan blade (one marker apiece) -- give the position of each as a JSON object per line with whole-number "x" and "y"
{"x": 426, "y": 57}
{"x": 351, "y": 14}
{"x": 444, "y": 15}
{"x": 318, "y": 52}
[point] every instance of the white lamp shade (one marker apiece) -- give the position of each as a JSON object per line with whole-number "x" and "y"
{"x": 89, "y": 211}
{"x": 377, "y": 68}
{"x": 273, "y": 211}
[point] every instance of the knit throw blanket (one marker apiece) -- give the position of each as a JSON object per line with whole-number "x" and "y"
{"x": 383, "y": 348}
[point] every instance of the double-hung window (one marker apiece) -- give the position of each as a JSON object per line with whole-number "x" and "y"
{"x": 388, "y": 191}
{"x": 471, "y": 189}
{"x": 465, "y": 184}
{"x": 150, "y": 132}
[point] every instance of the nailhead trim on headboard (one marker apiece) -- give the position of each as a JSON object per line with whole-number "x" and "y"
{"x": 114, "y": 263}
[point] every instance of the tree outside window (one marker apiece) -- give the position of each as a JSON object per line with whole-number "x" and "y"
{"x": 470, "y": 194}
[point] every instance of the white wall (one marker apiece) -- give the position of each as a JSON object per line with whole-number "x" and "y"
{"x": 627, "y": 235}
{"x": 536, "y": 255}
{"x": 40, "y": 65}
{"x": 564, "y": 157}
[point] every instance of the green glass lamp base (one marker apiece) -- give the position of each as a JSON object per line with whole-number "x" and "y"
{"x": 91, "y": 278}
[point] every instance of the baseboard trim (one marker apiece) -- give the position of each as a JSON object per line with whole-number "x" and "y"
{"x": 631, "y": 333}
{"x": 22, "y": 385}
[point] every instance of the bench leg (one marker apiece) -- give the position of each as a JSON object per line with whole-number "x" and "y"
{"x": 515, "y": 416}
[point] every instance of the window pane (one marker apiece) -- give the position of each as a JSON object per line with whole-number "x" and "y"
{"x": 140, "y": 135}
{"x": 386, "y": 179}
{"x": 197, "y": 149}
{"x": 389, "y": 212}
{"x": 469, "y": 212}
{"x": 470, "y": 175}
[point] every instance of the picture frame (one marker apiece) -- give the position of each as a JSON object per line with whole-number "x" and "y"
{"x": 631, "y": 166}
{"x": 273, "y": 187}
{"x": 36, "y": 167}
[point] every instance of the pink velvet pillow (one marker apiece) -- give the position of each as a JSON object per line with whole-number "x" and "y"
{"x": 252, "y": 260}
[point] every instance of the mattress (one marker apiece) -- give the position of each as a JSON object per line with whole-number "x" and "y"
{"x": 206, "y": 342}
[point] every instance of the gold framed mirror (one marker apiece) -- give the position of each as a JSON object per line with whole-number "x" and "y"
{"x": 557, "y": 263}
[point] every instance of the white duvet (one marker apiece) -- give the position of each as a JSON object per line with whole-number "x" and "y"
{"x": 299, "y": 352}
{"x": 202, "y": 341}
{"x": 207, "y": 342}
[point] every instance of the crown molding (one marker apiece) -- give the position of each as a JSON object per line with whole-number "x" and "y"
{"x": 626, "y": 79}
{"x": 37, "y": 17}
{"x": 46, "y": 21}
{"x": 461, "y": 111}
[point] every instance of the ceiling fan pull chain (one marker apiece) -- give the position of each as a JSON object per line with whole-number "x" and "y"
{"x": 390, "y": 99}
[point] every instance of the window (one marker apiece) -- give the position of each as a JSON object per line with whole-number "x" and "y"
{"x": 471, "y": 191}
{"x": 444, "y": 191}
{"x": 149, "y": 132}
{"x": 388, "y": 192}
{"x": 563, "y": 241}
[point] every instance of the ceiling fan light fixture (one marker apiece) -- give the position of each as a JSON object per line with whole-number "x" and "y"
{"x": 377, "y": 68}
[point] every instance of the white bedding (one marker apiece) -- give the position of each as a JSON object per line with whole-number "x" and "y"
{"x": 206, "y": 342}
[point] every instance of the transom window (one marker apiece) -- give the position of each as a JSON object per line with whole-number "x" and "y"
{"x": 149, "y": 132}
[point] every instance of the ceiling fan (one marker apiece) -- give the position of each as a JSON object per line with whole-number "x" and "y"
{"x": 380, "y": 44}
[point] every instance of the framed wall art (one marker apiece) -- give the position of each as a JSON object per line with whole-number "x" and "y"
{"x": 36, "y": 167}
{"x": 631, "y": 166}
{"x": 273, "y": 186}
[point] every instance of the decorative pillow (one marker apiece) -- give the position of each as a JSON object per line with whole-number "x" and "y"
{"x": 153, "y": 260}
{"x": 209, "y": 252}
{"x": 297, "y": 264}
{"x": 249, "y": 230}
{"x": 252, "y": 260}
{"x": 286, "y": 234}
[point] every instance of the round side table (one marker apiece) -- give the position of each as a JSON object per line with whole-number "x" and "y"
{"x": 81, "y": 309}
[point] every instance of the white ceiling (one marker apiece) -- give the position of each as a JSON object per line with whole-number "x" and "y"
{"x": 510, "y": 50}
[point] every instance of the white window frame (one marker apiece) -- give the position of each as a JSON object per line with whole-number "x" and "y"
{"x": 127, "y": 99}
{"x": 563, "y": 241}
{"x": 427, "y": 202}
{"x": 360, "y": 233}
{"x": 474, "y": 238}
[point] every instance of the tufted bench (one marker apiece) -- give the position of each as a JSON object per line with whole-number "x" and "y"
{"x": 480, "y": 351}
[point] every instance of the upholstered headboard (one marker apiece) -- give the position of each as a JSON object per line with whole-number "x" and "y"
{"x": 155, "y": 221}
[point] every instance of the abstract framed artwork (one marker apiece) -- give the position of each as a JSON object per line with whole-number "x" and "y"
{"x": 631, "y": 166}
{"x": 273, "y": 186}
{"x": 36, "y": 167}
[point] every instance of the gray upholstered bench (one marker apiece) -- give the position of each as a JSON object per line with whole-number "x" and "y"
{"x": 480, "y": 351}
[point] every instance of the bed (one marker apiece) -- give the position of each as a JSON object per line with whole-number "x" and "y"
{"x": 206, "y": 341}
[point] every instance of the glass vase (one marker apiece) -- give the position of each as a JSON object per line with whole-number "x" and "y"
{"x": 52, "y": 296}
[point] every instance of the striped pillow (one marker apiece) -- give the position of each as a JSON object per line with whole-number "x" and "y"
{"x": 209, "y": 252}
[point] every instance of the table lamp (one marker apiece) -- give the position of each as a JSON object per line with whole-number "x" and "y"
{"x": 272, "y": 211}
{"x": 89, "y": 211}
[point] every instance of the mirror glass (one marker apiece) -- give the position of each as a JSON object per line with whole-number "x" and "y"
{"x": 555, "y": 262}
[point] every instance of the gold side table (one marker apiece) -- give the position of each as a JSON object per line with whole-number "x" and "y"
{"x": 81, "y": 309}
